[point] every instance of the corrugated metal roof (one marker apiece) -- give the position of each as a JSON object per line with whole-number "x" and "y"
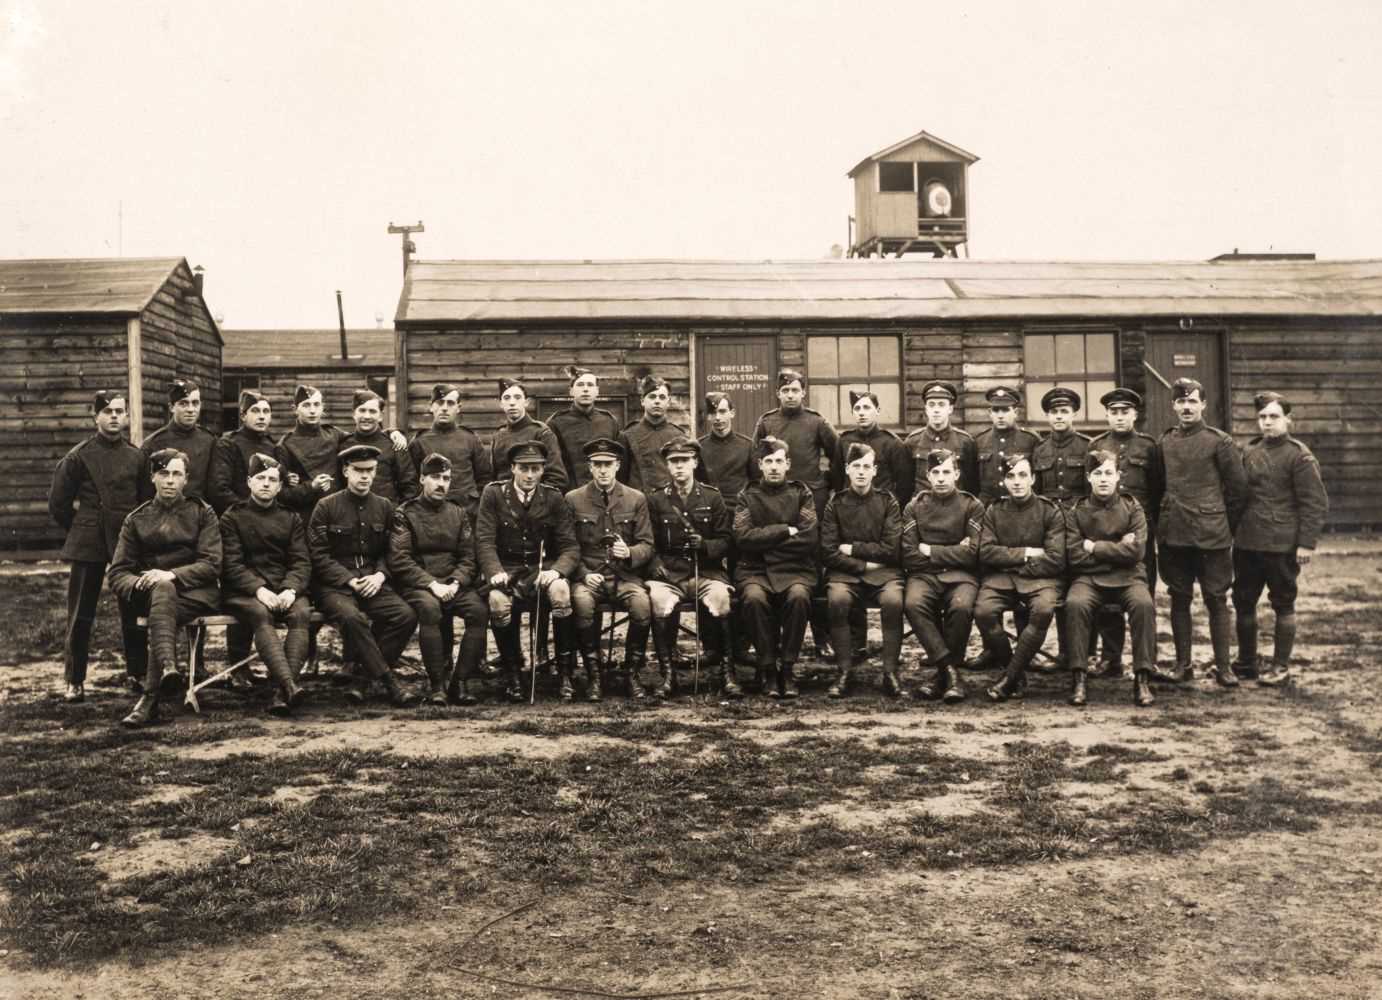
{"x": 306, "y": 349}
{"x": 121, "y": 286}
{"x": 667, "y": 290}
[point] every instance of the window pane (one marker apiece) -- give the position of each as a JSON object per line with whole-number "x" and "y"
{"x": 1097, "y": 413}
{"x": 1070, "y": 353}
{"x": 825, "y": 400}
{"x": 883, "y": 355}
{"x": 895, "y": 177}
{"x": 1099, "y": 353}
{"x": 1041, "y": 355}
{"x": 1035, "y": 390}
{"x": 822, "y": 360}
{"x": 889, "y": 402}
{"x": 854, "y": 357}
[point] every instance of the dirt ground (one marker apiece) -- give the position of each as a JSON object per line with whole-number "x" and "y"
{"x": 1220, "y": 844}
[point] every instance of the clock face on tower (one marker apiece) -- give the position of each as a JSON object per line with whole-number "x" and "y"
{"x": 937, "y": 198}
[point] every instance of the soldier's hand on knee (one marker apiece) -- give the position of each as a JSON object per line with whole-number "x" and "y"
{"x": 267, "y": 597}
{"x": 594, "y": 581}
{"x": 548, "y": 577}
{"x": 500, "y": 579}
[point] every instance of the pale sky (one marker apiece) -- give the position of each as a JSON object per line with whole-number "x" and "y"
{"x": 273, "y": 143}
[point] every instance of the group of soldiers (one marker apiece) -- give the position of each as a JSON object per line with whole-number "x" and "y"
{"x": 577, "y": 516}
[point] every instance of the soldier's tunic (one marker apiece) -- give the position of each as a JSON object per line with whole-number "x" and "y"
{"x": 729, "y": 464}
{"x": 1010, "y": 579}
{"x": 230, "y": 462}
{"x": 348, "y": 537}
{"x": 469, "y": 458}
{"x": 307, "y": 452}
{"x": 1139, "y": 476}
{"x": 1206, "y": 491}
{"x": 597, "y": 515}
{"x": 644, "y": 468}
{"x": 1286, "y": 510}
{"x": 196, "y": 442}
{"x": 508, "y": 534}
{"x": 871, "y": 524}
{"x": 433, "y": 542}
{"x": 776, "y": 571}
{"x": 267, "y": 547}
{"x": 896, "y": 474}
{"x": 923, "y": 441}
{"x": 810, "y": 438}
{"x": 395, "y": 476}
{"x": 527, "y": 429}
{"x": 94, "y": 486}
{"x": 942, "y": 587}
{"x": 1058, "y": 466}
{"x": 575, "y": 428}
{"x": 994, "y": 446}
{"x": 1112, "y": 573}
{"x": 184, "y": 538}
{"x": 674, "y": 517}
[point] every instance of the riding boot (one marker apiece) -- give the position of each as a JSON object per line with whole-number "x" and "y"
{"x": 667, "y": 671}
{"x": 1078, "y": 695}
{"x": 635, "y": 658}
{"x": 1245, "y": 625}
{"x": 1219, "y": 634}
{"x": 724, "y": 631}
{"x": 1284, "y": 638}
{"x": 954, "y": 692}
{"x": 1182, "y": 634}
{"x": 589, "y": 640}
{"x": 510, "y": 659}
{"x": 144, "y": 713}
{"x": 565, "y": 629}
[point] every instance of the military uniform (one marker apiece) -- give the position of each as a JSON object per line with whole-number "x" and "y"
{"x": 183, "y": 537}
{"x": 348, "y": 536}
{"x": 942, "y": 586}
{"x": 308, "y": 451}
{"x": 776, "y": 574}
{"x": 471, "y": 470}
{"x": 896, "y": 474}
{"x": 1112, "y": 573}
{"x": 645, "y": 469}
{"x": 267, "y": 547}
{"x": 1206, "y": 491}
{"x": 1058, "y": 466}
{"x": 678, "y": 563}
{"x": 924, "y": 441}
{"x": 728, "y": 464}
{"x": 1286, "y": 511}
{"x": 1012, "y": 581}
{"x": 994, "y": 447}
{"x": 395, "y": 475}
{"x": 230, "y": 462}
{"x": 810, "y": 437}
{"x": 871, "y": 524}
{"x": 575, "y": 428}
{"x": 1139, "y": 476}
{"x": 527, "y": 429}
{"x": 196, "y": 442}
{"x": 94, "y": 486}
{"x": 433, "y": 542}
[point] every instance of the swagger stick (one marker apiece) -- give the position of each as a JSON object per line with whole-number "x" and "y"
{"x": 532, "y": 623}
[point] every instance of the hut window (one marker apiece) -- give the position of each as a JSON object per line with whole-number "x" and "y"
{"x": 896, "y": 177}
{"x": 835, "y": 365}
{"x": 1085, "y": 362}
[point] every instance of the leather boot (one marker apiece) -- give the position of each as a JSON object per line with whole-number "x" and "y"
{"x": 565, "y": 629}
{"x": 892, "y": 683}
{"x": 436, "y": 685}
{"x": 144, "y": 713}
{"x": 725, "y": 632}
{"x": 589, "y": 641}
{"x": 287, "y": 694}
{"x": 510, "y": 660}
{"x": 662, "y": 649}
{"x": 357, "y": 689}
{"x": 1142, "y": 689}
{"x": 766, "y": 676}
{"x": 278, "y": 704}
{"x": 989, "y": 659}
{"x": 1182, "y": 632}
{"x": 1224, "y": 676}
{"x": 459, "y": 693}
{"x": 1221, "y": 637}
{"x": 1284, "y": 639}
{"x": 636, "y": 658}
{"x": 1013, "y": 684}
{"x": 399, "y": 696}
{"x": 930, "y": 689}
{"x": 954, "y": 687}
{"x": 840, "y": 687}
{"x": 1245, "y": 626}
{"x": 788, "y": 684}
{"x": 1078, "y": 696}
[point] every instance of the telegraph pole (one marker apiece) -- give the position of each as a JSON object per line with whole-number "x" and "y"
{"x": 409, "y": 247}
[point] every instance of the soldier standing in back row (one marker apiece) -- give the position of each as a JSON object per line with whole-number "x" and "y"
{"x": 1003, "y": 439}
{"x": 642, "y": 440}
{"x": 395, "y": 476}
{"x": 939, "y": 398}
{"x": 1206, "y": 492}
{"x": 519, "y": 428}
{"x": 1058, "y": 471}
{"x": 727, "y": 460}
{"x": 581, "y": 423}
{"x": 1287, "y": 506}
{"x": 182, "y": 432}
{"x": 94, "y": 486}
{"x": 458, "y": 444}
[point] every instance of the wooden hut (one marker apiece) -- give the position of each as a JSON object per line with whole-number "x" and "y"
{"x": 1311, "y": 329}
{"x": 70, "y": 327}
{"x": 274, "y": 362}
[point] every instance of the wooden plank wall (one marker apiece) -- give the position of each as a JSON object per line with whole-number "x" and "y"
{"x": 49, "y": 369}
{"x": 1331, "y": 370}
{"x": 179, "y": 342}
{"x": 476, "y": 358}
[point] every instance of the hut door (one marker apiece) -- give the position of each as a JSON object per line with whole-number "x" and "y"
{"x": 1174, "y": 354}
{"x": 742, "y": 367}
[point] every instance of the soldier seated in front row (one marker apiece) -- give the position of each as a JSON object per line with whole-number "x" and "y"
{"x": 268, "y": 569}
{"x": 1106, "y": 535}
{"x": 692, "y": 530}
{"x": 940, "y": 551}
{"x": 432, "y": 559}
{"x": 616, "y": 540}
{"x": 775, "y": 529}
{"x": 167, "y": 566}
{"x": 1022, "y": 558}
{"x": 525, "y": 541}
{"x": 861, "y": 536}
{"x": 348, "y": 536}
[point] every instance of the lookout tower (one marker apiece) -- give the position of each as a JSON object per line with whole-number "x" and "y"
{"x": 911, "y": 197}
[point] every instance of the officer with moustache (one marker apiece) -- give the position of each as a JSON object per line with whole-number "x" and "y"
{"x": 458, "y": 444}
{"x": 167, "y": 566}
{"x": 939, "y": 398}
{"x": 94, "y": 486}
{"x": 580, "y": 423}
{"x": 998, "y": 442}
{"x": 940, "y": 552}
{"x": 182, "y": 433}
